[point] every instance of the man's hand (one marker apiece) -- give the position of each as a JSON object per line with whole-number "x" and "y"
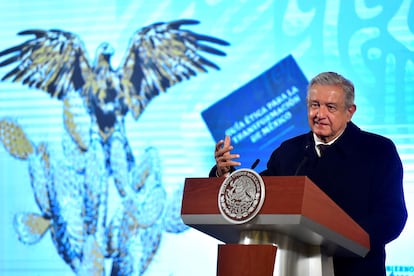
{"x": 224, "y": 159}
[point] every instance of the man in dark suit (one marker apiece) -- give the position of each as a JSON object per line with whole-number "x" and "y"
{"x": 360, "y": 171}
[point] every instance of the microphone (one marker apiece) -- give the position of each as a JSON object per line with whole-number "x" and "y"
{"x": 301, "y": 164}
{"x": 254, "y": 165}
{"x": 304, "y": 160}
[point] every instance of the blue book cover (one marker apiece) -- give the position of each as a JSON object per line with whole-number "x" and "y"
{"x": 263, "y": 113}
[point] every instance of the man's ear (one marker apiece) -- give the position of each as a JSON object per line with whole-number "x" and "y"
{"x": 351, "y": 111}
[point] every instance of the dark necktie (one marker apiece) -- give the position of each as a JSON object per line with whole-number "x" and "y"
{"x": 323, "y": 148}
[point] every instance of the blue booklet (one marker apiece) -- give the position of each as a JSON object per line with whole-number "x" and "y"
{"x": 262, "y": 113}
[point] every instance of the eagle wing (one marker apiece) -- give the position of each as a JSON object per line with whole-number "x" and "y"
{"x": 54, "y": 61}
{"x": 161, "y": 55}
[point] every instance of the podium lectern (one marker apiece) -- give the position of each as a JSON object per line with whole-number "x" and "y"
{"x": 298, "y": 223}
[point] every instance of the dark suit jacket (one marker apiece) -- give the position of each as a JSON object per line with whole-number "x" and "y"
{"x": 362, "y": 173}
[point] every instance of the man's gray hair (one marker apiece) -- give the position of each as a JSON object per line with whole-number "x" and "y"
{"x": 332, "y": 78}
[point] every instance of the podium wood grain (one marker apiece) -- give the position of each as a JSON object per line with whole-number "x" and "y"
{"x": 246, "y": 260}
{"x": 293, "y": 205}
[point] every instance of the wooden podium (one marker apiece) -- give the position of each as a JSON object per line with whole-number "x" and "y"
{"x": 297, "y": 220}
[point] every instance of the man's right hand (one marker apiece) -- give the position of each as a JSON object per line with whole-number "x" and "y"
{"x": 224, "y": 159}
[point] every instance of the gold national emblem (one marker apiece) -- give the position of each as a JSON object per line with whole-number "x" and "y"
{"x": 241, "y": 196}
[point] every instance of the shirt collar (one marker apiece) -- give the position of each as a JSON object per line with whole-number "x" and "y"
{"x": 319, "y": 141}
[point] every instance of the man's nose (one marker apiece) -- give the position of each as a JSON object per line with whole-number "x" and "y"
{"x": 322, "y": 110}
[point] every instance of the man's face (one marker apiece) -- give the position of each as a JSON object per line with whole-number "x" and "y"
{"x": 327, "y": 114}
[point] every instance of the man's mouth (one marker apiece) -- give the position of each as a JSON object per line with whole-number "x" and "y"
{"x": 320, "y": 124}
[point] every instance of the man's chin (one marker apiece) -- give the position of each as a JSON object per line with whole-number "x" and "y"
{"x": 320, "y": 134}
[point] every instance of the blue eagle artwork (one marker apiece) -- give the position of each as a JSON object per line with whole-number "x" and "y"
{"x": 99, "y": 167}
